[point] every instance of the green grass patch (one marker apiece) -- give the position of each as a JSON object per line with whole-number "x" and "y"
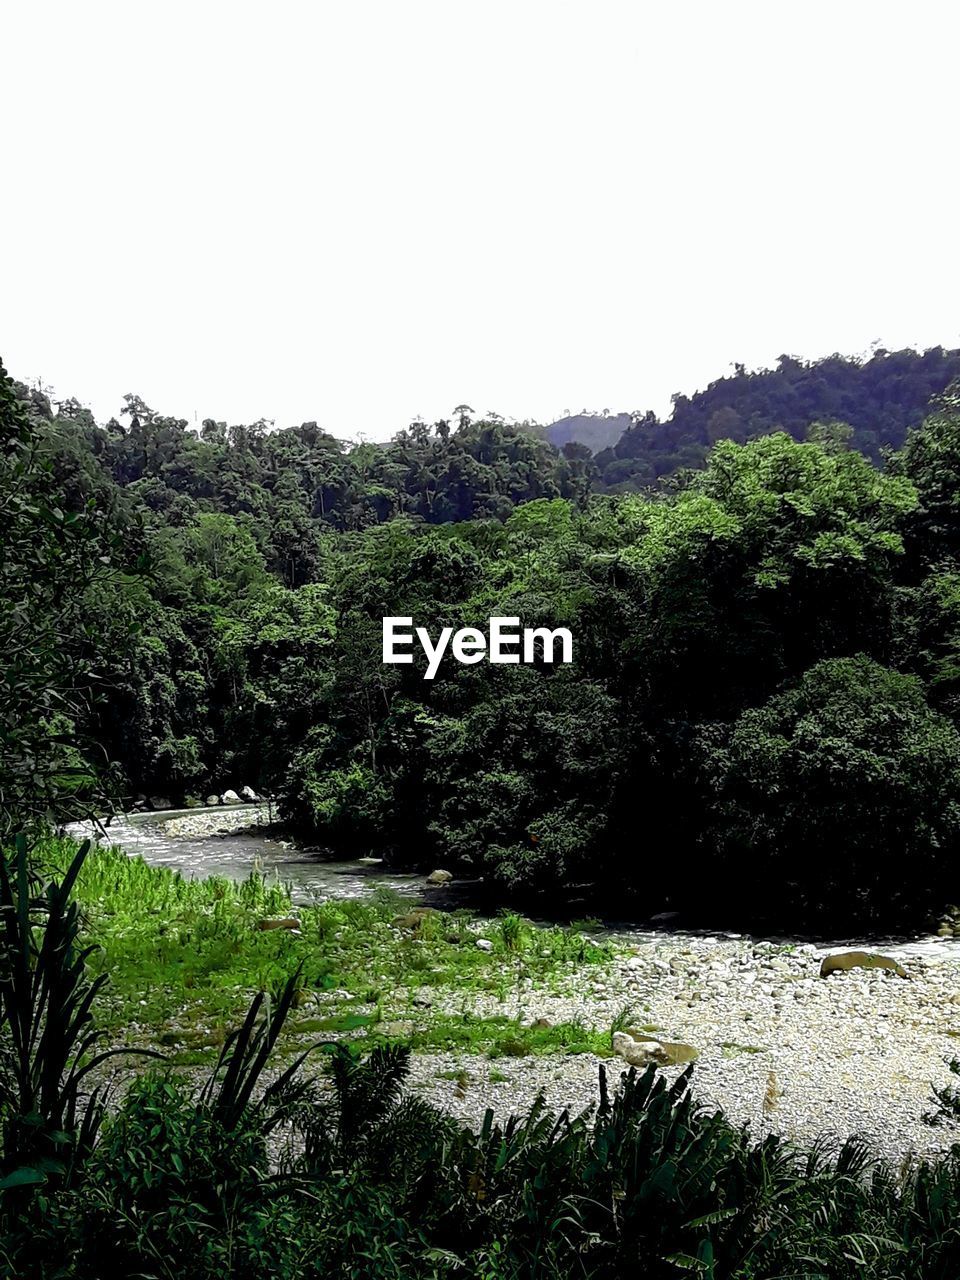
{"x": 184, "y": 957}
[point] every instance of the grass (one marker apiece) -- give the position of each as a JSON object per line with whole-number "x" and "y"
{"x": 185, "y": 956}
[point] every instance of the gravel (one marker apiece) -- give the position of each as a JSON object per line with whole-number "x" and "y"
{"x": 855, "y": 1053}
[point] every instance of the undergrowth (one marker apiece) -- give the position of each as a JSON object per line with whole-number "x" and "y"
{"x": 185, "y": 956}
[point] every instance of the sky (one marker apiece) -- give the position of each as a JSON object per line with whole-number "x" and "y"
{"x": 363, "y": 213}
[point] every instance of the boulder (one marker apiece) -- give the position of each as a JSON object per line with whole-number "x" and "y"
{"x": 249, "y": 795}
{"x": 211, "y": 801}
{"x": 484, "y": 944}
{"x": 439, "y": 877}
{"x": 160, "y": 802}
{"x": 229, "y": 797}
{"x": 843, "y": 961}
{"x": 638, "y": 1053}
{"x": 640, "y": 1050}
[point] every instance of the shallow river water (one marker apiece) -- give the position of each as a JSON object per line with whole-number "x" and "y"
{"x": 235, "y": 856}
{"x": 313, "y": 877}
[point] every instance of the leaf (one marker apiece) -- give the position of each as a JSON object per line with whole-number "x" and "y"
{"x": 23, "y": 1177}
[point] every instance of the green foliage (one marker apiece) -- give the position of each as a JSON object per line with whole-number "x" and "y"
{"x": 846, "y": 788}
{"x": 47, "y": 1050}
{"x": 876, "y": 401}
{"x": 49, "y": 552}
{"x": 238, "y": 626}
{"x": 377, "y": 1184}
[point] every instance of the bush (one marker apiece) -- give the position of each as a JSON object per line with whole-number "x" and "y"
{"x": 837, "y": 801}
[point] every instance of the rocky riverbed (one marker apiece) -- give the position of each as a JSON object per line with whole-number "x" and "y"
{"x": 779, "y": 1047}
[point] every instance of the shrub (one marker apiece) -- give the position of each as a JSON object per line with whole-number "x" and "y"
{"x": 838, "y": 800}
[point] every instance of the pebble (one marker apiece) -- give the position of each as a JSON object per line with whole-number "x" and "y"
{"x": 855, "y": 1053}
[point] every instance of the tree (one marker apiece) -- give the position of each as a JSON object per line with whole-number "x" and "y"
{"x": 49, "y": 555}
{"x": 835, "y": 802}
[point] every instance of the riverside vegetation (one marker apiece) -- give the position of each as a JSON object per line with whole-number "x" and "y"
{"x": 767, "y": 690}
{"x": 247, "y": 1172}
{"x": 766, "y": 673}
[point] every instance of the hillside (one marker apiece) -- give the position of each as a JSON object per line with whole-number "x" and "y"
{"x": 880, "y": 398}
{"x": 595, "y": 430}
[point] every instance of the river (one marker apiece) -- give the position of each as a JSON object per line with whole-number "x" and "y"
{"x": 313, "y": 877}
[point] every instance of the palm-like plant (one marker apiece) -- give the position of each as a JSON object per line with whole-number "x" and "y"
{"x": 229, "y": 1090}
{"x": 49, "y": 1122}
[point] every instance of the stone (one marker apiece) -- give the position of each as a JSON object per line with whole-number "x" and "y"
{"x": 439, "y": 877}
{"x": 484, "y": 944}
{"x": 639, "y": 1049}
{"x": 423, "y": 1000}
{"x": 638, "y": 1053}
{"x": 160, "y": 802}
{"x": 249, "y": 795}
{"x": 229, "y": 797}
{"x": 211, "y": 801}
{"x": 663, "y": 920}
{"x": 844, "y": 961}
{"x": 413, "y": 919}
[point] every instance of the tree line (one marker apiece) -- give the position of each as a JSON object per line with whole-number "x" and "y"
{"x": 761, "y": 720}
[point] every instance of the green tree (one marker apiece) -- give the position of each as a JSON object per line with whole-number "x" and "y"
{"x": 837, "y": 801}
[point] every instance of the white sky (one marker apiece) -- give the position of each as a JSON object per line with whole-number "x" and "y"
{"x": 363, "y": 212}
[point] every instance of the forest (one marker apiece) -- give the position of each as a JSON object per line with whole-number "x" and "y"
{"x": 759, "y": 728}
{"x": 762, "y": 721}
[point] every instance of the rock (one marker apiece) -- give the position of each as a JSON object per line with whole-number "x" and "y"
{"x": 638, "y": 1053}
{"x": 422, "y": 999}
{"x": 439, "y": 877}
{"x": 249, "y": 795}
{"x": 211, "y": 801}
{"x": 843, "y": 961}
{"x": 484, "y": 944}
{"x": 663, "y": 920}
{"x": 640, "y": 1050}
{"x": 229, "y": 797}
{"x": 413, "y": 919}
{"x": 160, "y": 802}
{"x": 290, "y": 923}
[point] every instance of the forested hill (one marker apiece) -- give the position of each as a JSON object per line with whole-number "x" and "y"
{"x": 595, "y": 430}
{"x": 880, "y": 398}
{"x": 761, "y": 718}
{"x": 294, "y": 484}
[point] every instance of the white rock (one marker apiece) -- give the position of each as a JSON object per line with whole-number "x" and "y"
{"x": 484, "y": 944}
{"x": 229, "y": 797}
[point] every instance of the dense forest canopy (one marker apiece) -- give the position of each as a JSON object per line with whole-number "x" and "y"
{"x": 762, "y": 714}
{"x": 880, "y": 399}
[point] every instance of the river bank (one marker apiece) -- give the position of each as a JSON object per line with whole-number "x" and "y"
{"x": 498, "y": 1014}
